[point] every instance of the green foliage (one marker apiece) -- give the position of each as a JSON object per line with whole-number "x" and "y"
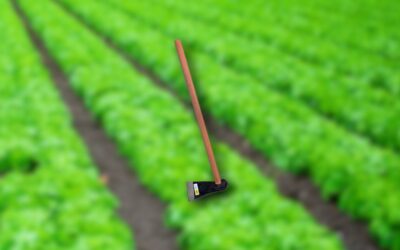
{"x": 51, "y": 196}
{"x": 350, "y": 49}
{"x": 161, "y": 140}
{"x": 344, "y": 165}
{"x": 340, "y": 96}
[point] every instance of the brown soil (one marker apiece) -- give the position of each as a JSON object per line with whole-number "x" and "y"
{"x": 299, "y": 188}
{"x": 141, "y": 210}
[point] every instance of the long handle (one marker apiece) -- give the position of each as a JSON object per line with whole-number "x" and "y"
{"x": 197, "y": 111}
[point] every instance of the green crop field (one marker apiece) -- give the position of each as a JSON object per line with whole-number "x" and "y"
{"x": 311, "y": 89}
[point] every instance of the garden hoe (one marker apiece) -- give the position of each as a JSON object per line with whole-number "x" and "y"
{"x": 199, "y": 189}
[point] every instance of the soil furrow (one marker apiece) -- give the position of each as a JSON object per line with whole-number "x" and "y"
{"x": 140, "y": 209}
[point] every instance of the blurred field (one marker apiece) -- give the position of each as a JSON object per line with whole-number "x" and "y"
{"x": 97, "y": 139}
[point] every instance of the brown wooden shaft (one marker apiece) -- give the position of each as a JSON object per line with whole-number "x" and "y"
{"x": 197, "y": 111}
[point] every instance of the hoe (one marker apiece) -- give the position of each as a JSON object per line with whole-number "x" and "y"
{"x": 199, "y": 189}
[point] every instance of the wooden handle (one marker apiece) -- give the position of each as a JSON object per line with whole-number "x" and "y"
{"x": 197, "y": 111}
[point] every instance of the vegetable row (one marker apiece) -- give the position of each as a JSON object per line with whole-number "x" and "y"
{"x": 160, "y": 138}
{"x": 372, "y": 69}
{"x": 50, "y": 193}
{"x": 342, "y": 164}
{"x": 367, "y": 27}
{"x": 361, "y": 108}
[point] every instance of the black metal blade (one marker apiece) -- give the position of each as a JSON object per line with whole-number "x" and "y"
{"x": 199, "y": 189}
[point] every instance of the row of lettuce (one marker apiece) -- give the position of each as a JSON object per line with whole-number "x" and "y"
{"x": 361, "y": 108}
{"x": 160, "y": 138}
{"x": 344, "y": 165}
{"x": 50, "y": 193}
{"x": 368, "y": 26}
{"x": 365, "y": 27}
{"x": 365, "y": 68}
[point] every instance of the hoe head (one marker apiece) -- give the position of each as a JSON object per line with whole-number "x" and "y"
{"x": 199, "y": 189}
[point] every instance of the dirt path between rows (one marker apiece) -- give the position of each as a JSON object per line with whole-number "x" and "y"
{"x": 298, "y": 188}
{"x": 141, "y": 210}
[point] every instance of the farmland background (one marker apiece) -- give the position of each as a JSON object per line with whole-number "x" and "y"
{"x": 97, "y": 136}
